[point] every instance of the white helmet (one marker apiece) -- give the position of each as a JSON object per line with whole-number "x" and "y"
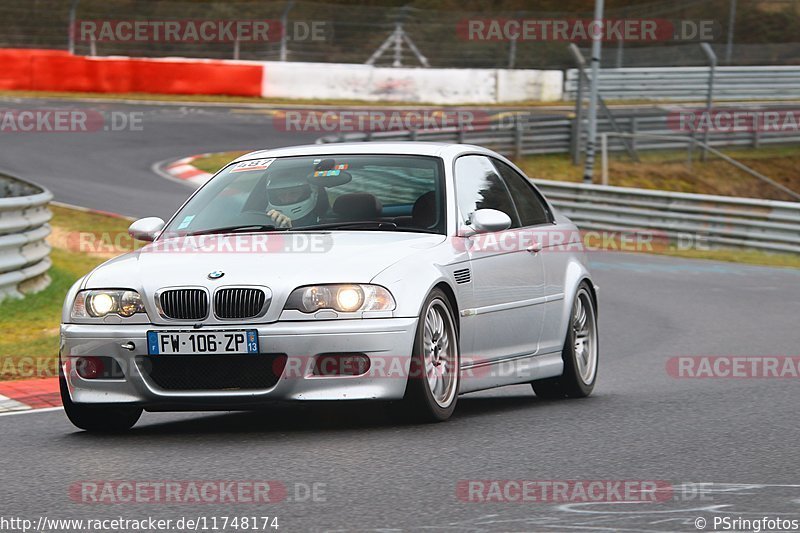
{"x": 294, "y": 197}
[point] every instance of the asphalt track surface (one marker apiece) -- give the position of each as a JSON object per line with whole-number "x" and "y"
{"x": 737, "y": 438}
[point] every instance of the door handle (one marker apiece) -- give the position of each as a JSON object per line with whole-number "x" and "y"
{"x": 534, "y": 248}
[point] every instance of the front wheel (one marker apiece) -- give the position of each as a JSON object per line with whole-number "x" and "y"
{"x": 99, "y": 418}
{"x": 434, "y": 377}
{"x": 580, "y": 353}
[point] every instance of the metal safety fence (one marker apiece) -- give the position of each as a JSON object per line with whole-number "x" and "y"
{"x": 719, "y": 221}
{"x": 690, "y": 83}
{"x": 519, "y": 134}
{"x": 24, "y": 251}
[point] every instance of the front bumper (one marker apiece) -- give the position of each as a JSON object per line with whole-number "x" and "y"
{"x": 387, "y": 342}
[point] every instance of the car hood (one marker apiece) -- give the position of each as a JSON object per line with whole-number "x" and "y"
{"x": 280, "y": 261}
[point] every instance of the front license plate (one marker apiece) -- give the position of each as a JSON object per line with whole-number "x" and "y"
{"x": 206, "y": 342}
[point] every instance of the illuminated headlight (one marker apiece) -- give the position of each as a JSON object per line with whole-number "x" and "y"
{"x": 343, "y": 298}
{"x": 100, "y": 303}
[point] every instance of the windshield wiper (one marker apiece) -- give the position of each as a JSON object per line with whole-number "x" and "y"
{"x": 358, "y": 224}
{"x": 240, "y": 228}
{"x": 366, "y": 225}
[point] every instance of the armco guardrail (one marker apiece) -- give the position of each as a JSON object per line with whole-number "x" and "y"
{"x": 691, "y": 83}
{"x": 719, "y": 221}
{"x": 24, "y": 252}
{"x": 530, "y": 134}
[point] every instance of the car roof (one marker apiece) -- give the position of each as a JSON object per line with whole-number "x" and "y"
{"x": 392, "y": 148}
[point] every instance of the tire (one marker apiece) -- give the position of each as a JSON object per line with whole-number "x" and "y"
{"x": 434, "y": 377}
{"x": 98, "y": 418}
{"x": 580, "y": 353}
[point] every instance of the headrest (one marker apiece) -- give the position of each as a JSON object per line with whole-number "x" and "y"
{"x": 423, "y": 215}
{"x": 358, "y": 206}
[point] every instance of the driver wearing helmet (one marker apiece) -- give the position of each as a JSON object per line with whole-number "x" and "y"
{"x": 292, "y": 201}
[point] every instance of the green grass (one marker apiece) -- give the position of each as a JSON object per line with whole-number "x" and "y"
{"x": 214, "y": 162}
{"x": 30, "y": 326}
{"x": 747, "y": 257}
{"x": 30, "y": 338}
{"x": 68, "y": 219}
{"x": 669, "y": 171}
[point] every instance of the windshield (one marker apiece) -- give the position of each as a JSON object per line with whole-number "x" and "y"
{"x": 348, "y": 192}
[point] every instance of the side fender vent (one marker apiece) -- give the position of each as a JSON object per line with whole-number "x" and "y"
{"x": 462, "y": 276}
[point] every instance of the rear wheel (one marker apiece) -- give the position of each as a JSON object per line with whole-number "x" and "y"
{"x": 580, "y": 353}
{"x": 98, "y": 418}
{"x": 434, "y": 378}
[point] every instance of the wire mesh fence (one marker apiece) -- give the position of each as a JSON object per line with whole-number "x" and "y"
{"x": 765, "y": 31}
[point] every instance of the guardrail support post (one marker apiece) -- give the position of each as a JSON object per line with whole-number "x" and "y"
{"x": 731, "y": 23}
{"x": 73, "y": 8}
{"x": 591, "y": 141}
{"x": 712, "y": 60}
{"x": 576, "y": 53}
{"x": 284, "y": 23}
{"x": 577, "y": 123}
{"x": 517, "y": 137}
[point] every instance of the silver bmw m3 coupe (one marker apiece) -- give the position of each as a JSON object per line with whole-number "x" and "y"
{"x": 408, "y": 273}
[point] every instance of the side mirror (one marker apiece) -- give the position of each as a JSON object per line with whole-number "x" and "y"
{"x": 146, "y": 229}
{"x": 487, "y": 221}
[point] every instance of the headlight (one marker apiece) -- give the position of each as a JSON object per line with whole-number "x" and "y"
{"x": 342, "y": 298}
{"x": 99, "y": 303}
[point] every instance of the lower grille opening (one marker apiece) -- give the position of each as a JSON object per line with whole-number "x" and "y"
{"x": 214, "y": 372}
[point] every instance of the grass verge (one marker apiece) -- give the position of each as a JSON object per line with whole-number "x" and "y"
{"x": 30, "y": 327}
{"x": 669, "y": 171}
{"x": 214, "y": 162}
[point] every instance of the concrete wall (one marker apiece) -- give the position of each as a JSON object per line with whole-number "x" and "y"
{"x": 57, "y": 70}
{"x": 423, "y": 85}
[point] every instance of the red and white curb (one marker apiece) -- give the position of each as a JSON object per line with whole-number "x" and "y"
{"x": 183, "y": 170}
{"x": 29, "y": 395}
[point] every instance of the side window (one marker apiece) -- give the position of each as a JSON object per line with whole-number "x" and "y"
{"x": 478, "y": 186}
{"x": 530, "y": 206}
